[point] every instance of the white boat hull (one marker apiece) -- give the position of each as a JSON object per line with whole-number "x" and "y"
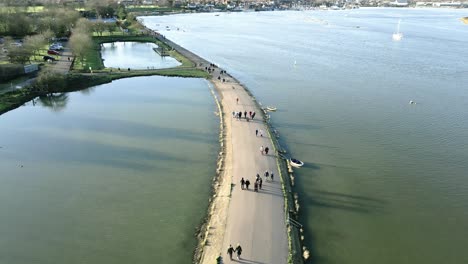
{"x": 296, "y": 163}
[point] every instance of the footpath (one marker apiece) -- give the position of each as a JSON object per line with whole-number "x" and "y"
{"x": 63, "y": 64}
{"x": 255, "y": 220}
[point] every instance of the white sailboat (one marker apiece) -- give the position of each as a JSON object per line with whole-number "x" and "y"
{"x": 397, "y": 36}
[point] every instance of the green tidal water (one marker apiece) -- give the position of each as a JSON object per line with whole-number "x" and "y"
{"x": 119, "y": 173}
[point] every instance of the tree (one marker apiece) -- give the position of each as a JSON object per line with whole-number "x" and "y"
{"x": 50, "y": 81}
{"x": 80, "y": 42}
{"x": 19, "y": 25}
{"x": 34, "y": 43}
{"x": 59, "y": 20}
{"x": 99, "y": 26}
{"x": 121, "y": 12}
{"x": 3, "y": 22}
{"x": 111, "y": 27}
{"x": 48, "y": 35}
{"x": 83, "y": 25}
{"x": 103, "y": 8}
{"x": 19, "y": 54}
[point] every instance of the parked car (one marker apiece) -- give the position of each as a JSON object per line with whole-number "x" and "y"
{"x": 56, "y": 47}
{"x": 48, "y": 58}
{"x": 53, "y": 52}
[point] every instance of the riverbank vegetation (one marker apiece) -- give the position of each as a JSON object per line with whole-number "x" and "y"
{"x": 48, "y": 83}
{"x": 30, "y": 30}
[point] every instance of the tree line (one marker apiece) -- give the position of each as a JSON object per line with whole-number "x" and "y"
{"x": 38, "y": 29}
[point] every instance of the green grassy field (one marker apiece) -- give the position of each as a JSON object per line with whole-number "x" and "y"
{"x": 29, "y": 9}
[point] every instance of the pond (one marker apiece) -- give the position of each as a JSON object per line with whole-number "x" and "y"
{"x": 120, "y": 173}
{"x": 135, "y": 55}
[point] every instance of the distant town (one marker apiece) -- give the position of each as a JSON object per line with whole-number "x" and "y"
{"x": 261, "y": 5}
{"x": 154, "y": 6}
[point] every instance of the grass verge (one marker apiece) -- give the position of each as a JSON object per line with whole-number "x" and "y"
{"x": 93, "y": 58}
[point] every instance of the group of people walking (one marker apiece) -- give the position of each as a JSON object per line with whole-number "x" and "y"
{"x": 238, "y": 115}
{"x": 238, "y": 250}
{"x": 211, "y": 69}
{"x": 264, "y": 150}
{"x": 245, "y": 183}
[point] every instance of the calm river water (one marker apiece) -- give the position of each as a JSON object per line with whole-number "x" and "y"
{"x": 134, "y": 55}
{"x": 385, "y": 181}
{"x": 119, "y": 173}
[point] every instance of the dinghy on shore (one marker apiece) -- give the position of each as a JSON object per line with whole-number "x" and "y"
{"x": 296, "y": 163}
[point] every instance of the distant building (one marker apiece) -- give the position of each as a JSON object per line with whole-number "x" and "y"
{"x": 399, "y": 3}
{"x": 447, "y": 4}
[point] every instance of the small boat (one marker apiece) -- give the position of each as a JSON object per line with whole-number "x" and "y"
{"x": 397, "y": 36}
{"x": 296, "y": 163}
{"x": 270, "y": 108}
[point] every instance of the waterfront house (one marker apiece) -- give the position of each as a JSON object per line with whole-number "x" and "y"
{"x": 399, "y": 3}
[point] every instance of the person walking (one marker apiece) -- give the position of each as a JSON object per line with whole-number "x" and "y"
{"x": 256, "y": 132}
{"x": 253, "y": 115}
{"x": 260, "y": 182}
{"x": 238, "y": 251}
{"x": 242, "y": 183}
{"x": 266, "y": 150}
{"x": 230, "y": 250}
{"x": 247, "y": 183}
{"x": 261, "y": 149}
{"x": 237, "y": 100}
{"x": 271, "y": 175}
{"x": 266, "y": 175}
{"x": 245, "y": 114}
{"x": 219, "y": 259}
{"x": 256, "y": 186}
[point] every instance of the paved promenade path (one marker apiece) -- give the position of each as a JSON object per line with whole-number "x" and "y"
{"x": 63, "y": 64}
{"x": 255, "y": 220}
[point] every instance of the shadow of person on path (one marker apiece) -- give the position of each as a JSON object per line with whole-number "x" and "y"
{"x": 242, "y": 260}
{"x": 266, "y": 192}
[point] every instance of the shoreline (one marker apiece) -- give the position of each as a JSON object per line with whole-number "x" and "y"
{"x": 212, "y": 231}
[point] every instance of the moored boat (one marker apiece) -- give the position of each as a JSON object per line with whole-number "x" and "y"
{"x": 296, "y": 163}
{"x": 270, "y": 108}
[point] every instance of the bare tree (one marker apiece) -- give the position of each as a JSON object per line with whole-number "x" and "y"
{"x": 34, "y": 43}
{"x": 80, "y": 43}
{"x": 99, "y": 26}
{"x": 19, "y": 54}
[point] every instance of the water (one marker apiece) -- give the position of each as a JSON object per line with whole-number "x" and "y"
{"x": 119, "y": 173}
{"x": 385, "y": 181}
{"x": 134, "y": 55}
